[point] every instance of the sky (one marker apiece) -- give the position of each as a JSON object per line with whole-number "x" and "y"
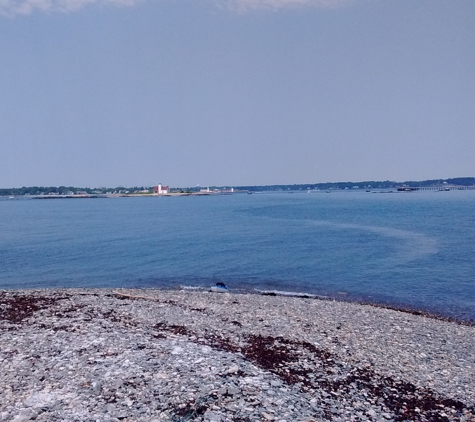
{"x": 235, "y": 92}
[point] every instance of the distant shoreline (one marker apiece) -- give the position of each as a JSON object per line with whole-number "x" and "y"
{"x": 120, "y": 195}
{"x": 180, "y": 194}
{"x": 368, "y": 185}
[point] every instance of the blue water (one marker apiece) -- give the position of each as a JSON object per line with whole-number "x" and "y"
{"x": 404, "y": 249}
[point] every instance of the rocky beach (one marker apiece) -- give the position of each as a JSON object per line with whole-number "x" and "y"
{"x": 185, "y": 355}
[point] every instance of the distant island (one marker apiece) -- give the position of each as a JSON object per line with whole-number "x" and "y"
{"x": 70, "y": 191}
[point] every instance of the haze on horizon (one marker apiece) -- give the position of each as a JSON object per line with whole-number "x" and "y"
{"x": 235, "y": 92}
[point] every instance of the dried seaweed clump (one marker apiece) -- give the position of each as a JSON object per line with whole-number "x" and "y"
{"x": 16, "y": 308}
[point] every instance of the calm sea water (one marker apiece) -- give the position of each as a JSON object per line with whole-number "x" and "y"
{"x": 404, "y": 249}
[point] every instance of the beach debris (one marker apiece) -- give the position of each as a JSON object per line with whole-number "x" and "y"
{"x": 220, "y": 287}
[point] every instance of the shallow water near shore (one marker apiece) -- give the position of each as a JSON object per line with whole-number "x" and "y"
{"x": 414, "y": 250}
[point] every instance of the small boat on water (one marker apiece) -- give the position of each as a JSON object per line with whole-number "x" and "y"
{"x": 220, "y": 288}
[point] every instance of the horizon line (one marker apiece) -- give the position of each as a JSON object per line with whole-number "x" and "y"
{"x": 253, "y": 185}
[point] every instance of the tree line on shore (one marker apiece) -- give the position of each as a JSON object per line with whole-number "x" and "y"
{"x": 369, "y": 184}
{"x": 71, "y": 190}
{"x": 67, "y": 190}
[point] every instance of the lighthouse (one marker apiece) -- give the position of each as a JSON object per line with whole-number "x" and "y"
{"x": 160, "y": 189}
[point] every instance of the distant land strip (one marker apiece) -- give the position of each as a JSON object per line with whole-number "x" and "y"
{"x": 70, "y": 191}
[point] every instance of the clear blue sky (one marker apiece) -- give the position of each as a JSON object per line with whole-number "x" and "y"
{"x": 235, "y": 92}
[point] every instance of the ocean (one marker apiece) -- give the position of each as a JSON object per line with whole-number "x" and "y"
{"x": 404, "y": 249}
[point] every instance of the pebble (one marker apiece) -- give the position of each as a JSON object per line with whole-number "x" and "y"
{"x": 181, "y": 355}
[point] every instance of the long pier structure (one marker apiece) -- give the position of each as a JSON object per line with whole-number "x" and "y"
{"x": 433, "y": 188}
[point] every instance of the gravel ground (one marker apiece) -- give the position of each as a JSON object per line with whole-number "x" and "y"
{"x": 184, "y": 355}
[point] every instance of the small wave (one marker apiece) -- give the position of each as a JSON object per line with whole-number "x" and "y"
{"x": 194, "y": 288}
{"x": 290, "y": 294}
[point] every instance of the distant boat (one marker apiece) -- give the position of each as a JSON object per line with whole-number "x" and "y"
{"x": 220, "y": 288}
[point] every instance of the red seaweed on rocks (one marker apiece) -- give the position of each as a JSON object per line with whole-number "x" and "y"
{"x": 16, "y": 308}
{"x": 333, "y": 383}
{"x": 408, "y": 402}
{"x": 175, "y": 329}
{"x": 289, "y": 360}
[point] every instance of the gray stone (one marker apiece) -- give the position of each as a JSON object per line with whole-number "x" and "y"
{"x": 145, "y": 359}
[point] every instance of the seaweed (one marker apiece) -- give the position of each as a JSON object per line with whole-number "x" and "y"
{"x": 17, "y": 308}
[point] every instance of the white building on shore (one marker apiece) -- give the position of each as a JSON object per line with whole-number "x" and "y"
{"x": 161, "y": 190}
